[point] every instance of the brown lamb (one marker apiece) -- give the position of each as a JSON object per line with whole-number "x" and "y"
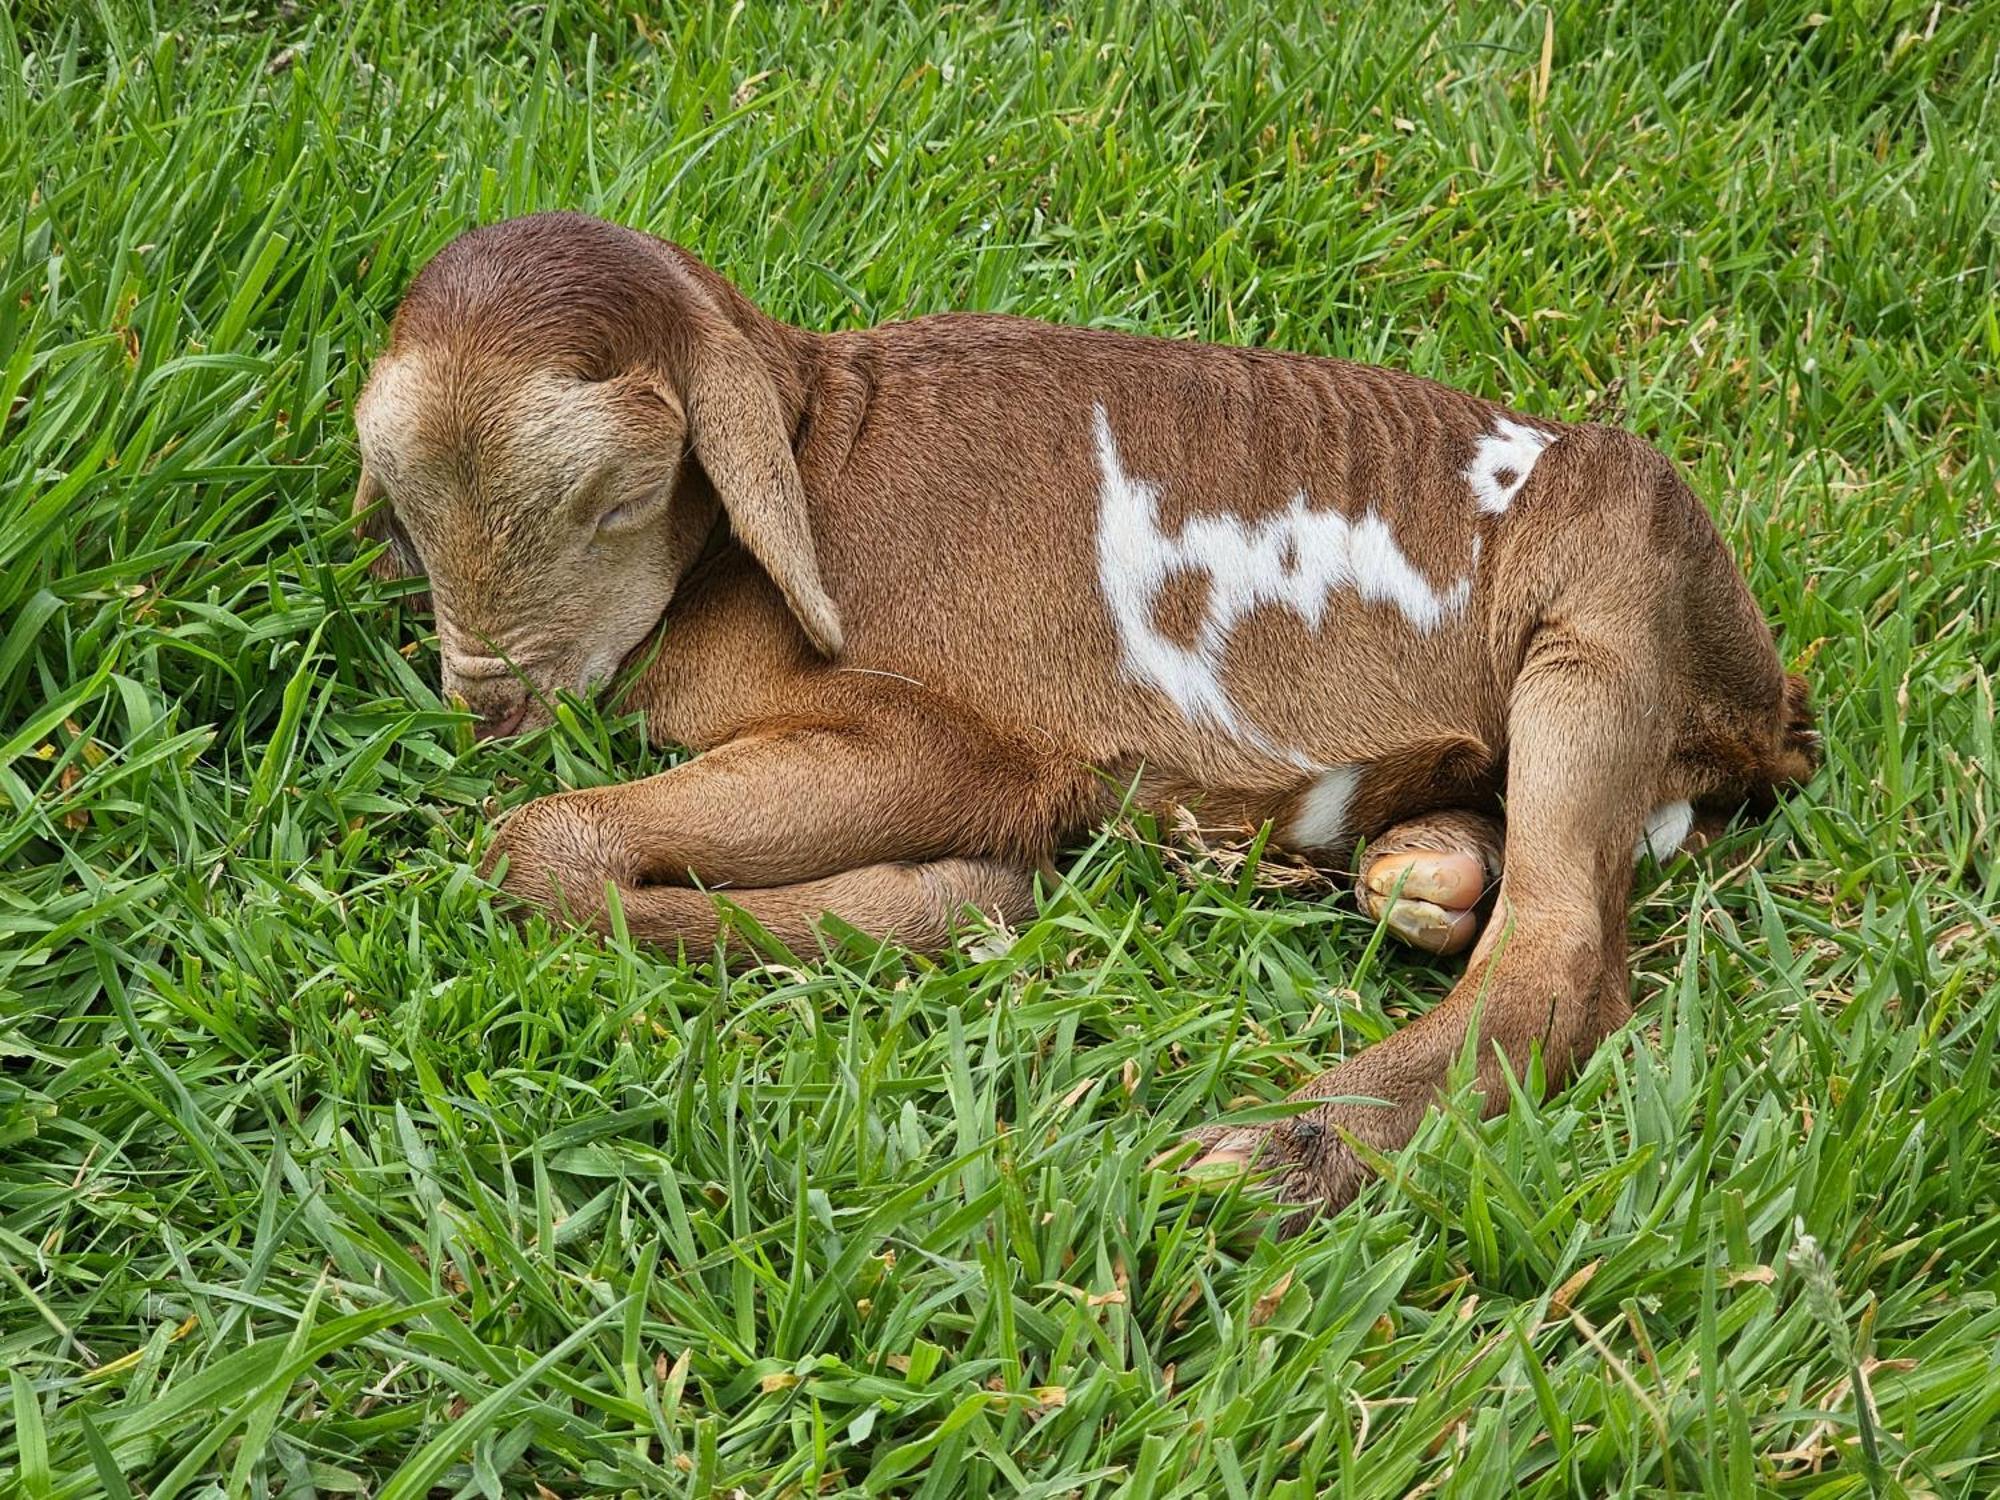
{"x": 933, "y": 597}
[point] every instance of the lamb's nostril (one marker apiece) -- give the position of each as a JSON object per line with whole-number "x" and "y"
{"x": 499, "y": 724}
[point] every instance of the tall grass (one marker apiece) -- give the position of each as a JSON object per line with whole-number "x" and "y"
{"x": 316, "y": 1176}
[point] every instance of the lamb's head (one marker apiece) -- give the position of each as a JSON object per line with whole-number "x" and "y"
{"x": 563, "y": 416}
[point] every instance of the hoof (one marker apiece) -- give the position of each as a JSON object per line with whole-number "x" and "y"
{"x": 1428, "y": 899}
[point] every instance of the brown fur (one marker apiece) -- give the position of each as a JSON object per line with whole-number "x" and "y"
{"x": 864, "y": 571}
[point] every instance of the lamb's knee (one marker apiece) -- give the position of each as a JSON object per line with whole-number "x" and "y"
{"x": 554, "y": 855}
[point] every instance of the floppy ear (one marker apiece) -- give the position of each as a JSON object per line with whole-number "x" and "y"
{"x": 373, "y": 522}
{"x": 739, "y": 436}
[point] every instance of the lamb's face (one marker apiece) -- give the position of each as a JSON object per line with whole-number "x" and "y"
{"x": 541, "y": 508}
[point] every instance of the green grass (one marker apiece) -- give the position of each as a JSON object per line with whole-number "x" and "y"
{"x": 318, "y": 1176}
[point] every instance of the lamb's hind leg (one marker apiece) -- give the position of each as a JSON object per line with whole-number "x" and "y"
{"x": 1591, "y": 649}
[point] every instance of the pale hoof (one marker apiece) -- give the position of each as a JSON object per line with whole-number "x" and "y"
{"x": 1426, "y": 898}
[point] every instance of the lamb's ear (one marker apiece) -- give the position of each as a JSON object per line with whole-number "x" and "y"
{"x": 738, "y": 432}
{"x": 374, "y": 522}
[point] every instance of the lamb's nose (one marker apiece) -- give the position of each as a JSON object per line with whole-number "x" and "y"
{"x": 499, "y": 723}
{"x": 497, "y": 701}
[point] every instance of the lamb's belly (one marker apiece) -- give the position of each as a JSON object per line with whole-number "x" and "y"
{"x": 1335, "y": 735}
{"x": 1323, "y": 806}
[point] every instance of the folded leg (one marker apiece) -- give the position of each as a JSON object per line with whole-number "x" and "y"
{"x": 919, "y": 905}
{"x": 891, "y": 810}
{"x": 1598, "y": 626}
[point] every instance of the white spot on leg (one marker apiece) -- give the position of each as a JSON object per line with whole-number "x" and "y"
{"x": 1667, "y": 829}
{"x": 1294, "y": 559}
{"x": 1502, "y": 462}
{"x": 1321, "y": 821}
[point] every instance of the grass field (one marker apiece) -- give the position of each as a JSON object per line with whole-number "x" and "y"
{"x": 316, "y": 1176}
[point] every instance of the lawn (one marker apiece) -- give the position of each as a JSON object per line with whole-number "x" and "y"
{"x": 319, "y": 1176}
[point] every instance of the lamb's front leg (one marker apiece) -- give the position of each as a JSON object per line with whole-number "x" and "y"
{"x": 894, "y": 818}
{"x": 919, "y": 905}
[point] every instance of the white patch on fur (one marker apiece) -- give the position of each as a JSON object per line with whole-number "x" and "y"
{"x": 1295, "y": 559}
{"x": 1502, "y": 462}
{"x": 1321, "y": 821}
{"x": 1667, "y": 829}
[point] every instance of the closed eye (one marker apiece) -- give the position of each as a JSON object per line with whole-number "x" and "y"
{"x": 630, "y": 513}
